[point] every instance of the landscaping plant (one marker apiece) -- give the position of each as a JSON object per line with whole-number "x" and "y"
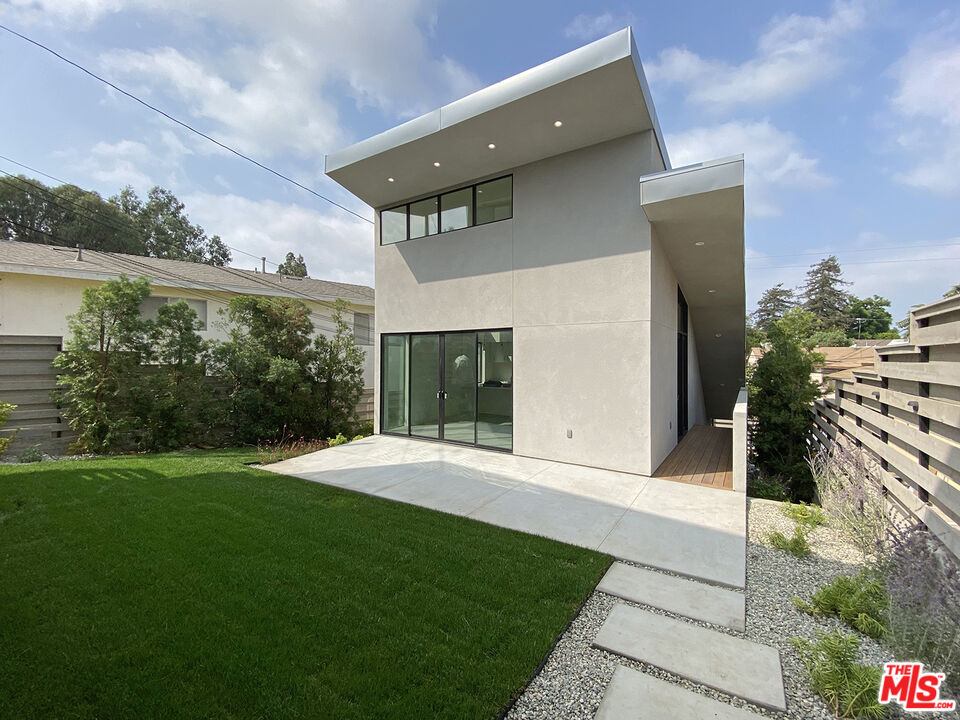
{"x": 101, "y": 363}
{"x": 5, "y": 410}
{"x": 781, "y": 393}
{"x": 30, "y": 455}
{"x": 860, "y": 601}
{"x": 808, "y": 515}
{"x": 796, "y": 544}
{"x": 849, "y": 689}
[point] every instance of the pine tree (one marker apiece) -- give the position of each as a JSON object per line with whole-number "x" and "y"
{"x": 293, "y": 266}
{"x": 824, "y": 296}
{"x": 772, "y": 306}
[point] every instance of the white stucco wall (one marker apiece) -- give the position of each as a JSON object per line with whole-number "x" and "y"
{"x": 40, "y": 305}
{"x": 570, "y": 273}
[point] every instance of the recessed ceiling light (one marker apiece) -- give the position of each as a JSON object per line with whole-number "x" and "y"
{"x": 557, "y": 123}
{"x": 718, "y": 335}
{"x": 389, "y": 179}
{"x": 699, "y": 243}
{"x": 711, "y": 291}
{"x": 436, "y": 164}
{"x": 491, "y": 146}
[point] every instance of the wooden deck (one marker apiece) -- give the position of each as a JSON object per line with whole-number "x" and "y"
{"x": 703, "y": 457}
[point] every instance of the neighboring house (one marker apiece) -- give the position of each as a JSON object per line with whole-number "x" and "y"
{"x": 41, "y": 285}
{"x": 546, "y": 283}
{"x": 838, "y": 362}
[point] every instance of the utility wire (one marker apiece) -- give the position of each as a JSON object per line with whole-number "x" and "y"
{"x": 181, "y": 123}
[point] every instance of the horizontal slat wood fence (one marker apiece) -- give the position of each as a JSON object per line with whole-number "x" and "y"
{"x": 905, "y": 413}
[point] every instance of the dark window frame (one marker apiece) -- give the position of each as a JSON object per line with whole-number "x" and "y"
{"x": 441, "y": 333}
{"x": 440, "y": 231}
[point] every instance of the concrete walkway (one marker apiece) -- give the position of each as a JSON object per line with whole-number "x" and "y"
{"x": 691, "y": 530}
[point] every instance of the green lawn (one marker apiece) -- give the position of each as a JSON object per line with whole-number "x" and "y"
{"x": 187, "y": 585}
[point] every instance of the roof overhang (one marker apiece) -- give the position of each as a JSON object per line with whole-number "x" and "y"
{"x": 697, "y": 213}
{"x": 598, "y": 92}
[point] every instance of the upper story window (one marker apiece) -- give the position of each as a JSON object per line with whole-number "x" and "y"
{"x": 478, "y": 204}
{"x": 150, "y": 307}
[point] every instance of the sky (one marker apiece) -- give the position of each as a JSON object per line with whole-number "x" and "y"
{"x": 847, "y": 113}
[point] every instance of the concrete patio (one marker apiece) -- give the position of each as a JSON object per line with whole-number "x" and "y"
{"x": 687, "y": 529}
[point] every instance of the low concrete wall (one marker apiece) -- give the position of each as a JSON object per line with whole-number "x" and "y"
{"x": 740, "y": 442}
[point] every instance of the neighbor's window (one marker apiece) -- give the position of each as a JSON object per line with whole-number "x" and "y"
{"x": 393, "y": 225}
{"x": 495, "y": 200}
{"x": 150, "y": 307}
{"x": 363, "y": 328}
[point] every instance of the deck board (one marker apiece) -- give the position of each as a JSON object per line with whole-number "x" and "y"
{"x": 703, "y": 457}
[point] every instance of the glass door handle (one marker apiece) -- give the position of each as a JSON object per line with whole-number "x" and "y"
{"x": 441, "y": 393}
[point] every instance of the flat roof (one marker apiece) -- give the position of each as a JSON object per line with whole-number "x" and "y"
{"x": 598, "y": 92}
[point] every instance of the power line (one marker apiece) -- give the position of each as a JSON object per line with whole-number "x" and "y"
{"x": 181, "y": 123}
{"x": 864, "y": 262}
{"x": 861, "y": 250}
{"x": 39, "y": 172}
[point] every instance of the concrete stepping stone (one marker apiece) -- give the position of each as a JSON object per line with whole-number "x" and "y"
{"x": 689, "y": 598}
{"x": 729, "y": 664}
{"x": 631, "y": 695}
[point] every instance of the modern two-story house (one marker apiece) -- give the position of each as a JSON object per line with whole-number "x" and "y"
{"x": 546, "y": 283}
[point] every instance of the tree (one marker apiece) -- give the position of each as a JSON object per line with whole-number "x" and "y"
{"x": 101, "y": 360}
{"x": 824, "y": 296}
{"x": 781, "y": 394}
{"x": 293, "y": 266}
{"x": 955, "y": 290}
{"x": 174, "y": 403}
{"x": 772, "y": 305}
{"x": 754, "y": 337}
{"x": 828, "y": 338}
{"x": 339, "y": 371}
{"x": 167, "y": 231}
{"x": 869, "y": 317}
{"x": 65, "y": 215}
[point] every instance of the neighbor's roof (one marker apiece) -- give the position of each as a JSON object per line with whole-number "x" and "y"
{"x": 845, "y": 358}
{"x": 35, "y": 259}
{"x": 597, "y": 92}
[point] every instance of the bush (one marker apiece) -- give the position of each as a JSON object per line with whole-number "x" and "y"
{"x": 810, "y": 516}
{"x": 860, "y": 601}
{"x": 30, "y": 455}
{"x": 850, "y": 490}
{"x": 781, "y": 394}
{"x": 340, "y": 439}
{"x": 760, "y": 485}
{"x": 922, "y": 580}
{"x": 100, "y": 363}
{"x": 5, "y": 410}
{"x": 795, "y": 545}
{"x": 850, "y": 690}
{"x": 364, "y": 429}
{"x": 281, "y": 381}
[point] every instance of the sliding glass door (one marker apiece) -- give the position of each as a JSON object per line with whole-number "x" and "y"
{"x": 455, "y": 386}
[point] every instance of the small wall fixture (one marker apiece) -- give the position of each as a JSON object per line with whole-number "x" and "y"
{"x": 436, "y": 164}
{"x": 557, "y": 123}
{"x": 491, "y": 146}
{"x": 699, "y": 243}
{"x": 389, "y": 179}
{"x": 711, "y": 291}
{"x": 718, "y": 335}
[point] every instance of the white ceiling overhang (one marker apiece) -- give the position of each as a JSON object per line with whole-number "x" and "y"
{"x": 697, "y": 213}
{"x": 598, "y": 93}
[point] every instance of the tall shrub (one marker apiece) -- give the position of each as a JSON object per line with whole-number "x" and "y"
{"x": 101, "y": 360}
{"x": 781, "y": 394}
{"x": 174, "y": 403}
{"x": 5, "y": 410}
{"x": 339, "y": 371}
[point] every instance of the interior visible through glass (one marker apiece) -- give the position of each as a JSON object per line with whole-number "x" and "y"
{"x": 423, "y": 218}
{"x": 424, "y": 385}
{"x": 495, "y": 200}
{"x": 395, "y": 381}
{"x": 393, "y": 225}
{"x": 456, "y": 210}
{"x": 495, "y": 389}
{"x": 459, "y": 386}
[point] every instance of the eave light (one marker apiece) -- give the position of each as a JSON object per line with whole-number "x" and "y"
{"x": 436, "y": 164}
{"x": 699, "y": 243}
{"x": 492, "y": 146}
{"x": 558, "y": 123}
{"x": 390, "y": 179}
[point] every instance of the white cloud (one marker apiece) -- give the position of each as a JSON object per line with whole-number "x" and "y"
{"x": 586, "y": 27}
{"x": 793, "y": 54}
{"x": 288, "y": 67}
{"x": 335, "y": 247}
{"x": 927, "y": 103}
{"x": 773, "y": 159}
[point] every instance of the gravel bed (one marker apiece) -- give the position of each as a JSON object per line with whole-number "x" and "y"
{"x": 571, "y": 682}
